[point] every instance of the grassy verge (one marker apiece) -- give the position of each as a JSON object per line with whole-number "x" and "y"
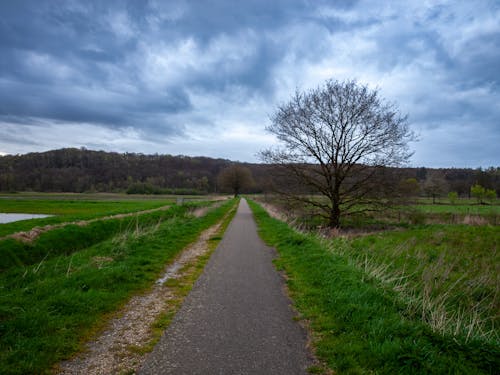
{"x": 360, "y": 326}
{"x": 49, "y": 309}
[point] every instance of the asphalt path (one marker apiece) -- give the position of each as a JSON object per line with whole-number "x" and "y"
{"x": 237, "y": 319}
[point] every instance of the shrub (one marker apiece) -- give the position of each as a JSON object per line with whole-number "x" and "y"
{"x": 453, "y": 196}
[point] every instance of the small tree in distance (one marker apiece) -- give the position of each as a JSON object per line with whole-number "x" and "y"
{"x": 334, "y": 140}
{"x": 453, "y": 197}
{"x": 435, "y": 186}
{"x": 409, "y": 188}
{"x": 235, "y": 178}
{"x": 481, "y": 194}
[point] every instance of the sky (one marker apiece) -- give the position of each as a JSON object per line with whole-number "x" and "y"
{"x": 202, "y": 78}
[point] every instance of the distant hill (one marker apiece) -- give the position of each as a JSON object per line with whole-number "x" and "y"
{"x": 82, "y": 170}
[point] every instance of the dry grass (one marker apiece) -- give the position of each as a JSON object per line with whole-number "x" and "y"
{"x": 453, "y": 292}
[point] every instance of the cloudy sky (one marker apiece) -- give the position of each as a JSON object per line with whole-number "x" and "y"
{"x": 203, "y": 77}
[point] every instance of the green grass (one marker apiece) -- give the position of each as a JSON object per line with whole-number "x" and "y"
{"x": 68, "y": 210}
{"x": 446, "y": 214}
{"x": 464, "y": 209}
{"x": 450, "y": 274}
{"x": 359, "y": 325}
{"x": 459, "y": 201}
{"x": 71, "y": 238}
{"x": 49, "y": 309}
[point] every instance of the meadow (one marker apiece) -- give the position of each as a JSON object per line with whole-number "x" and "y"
{"x": 391, "y": 294}
{"x": 448, "y": 275}
{"x": 50, "y": 306}
{"x": 70, "y": 207}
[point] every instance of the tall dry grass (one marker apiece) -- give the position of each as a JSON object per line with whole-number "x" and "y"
{"x": 450, "y": 298}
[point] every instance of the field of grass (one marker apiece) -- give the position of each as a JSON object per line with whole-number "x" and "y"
{"x": 471, "y": 214}
{"x": 71, "y": 238}
{"x": 420, "y": 211}
{"x": 471, "y": 209}
{"x": 448, "y": 275}
{"x": 364, "y": 312}
{"x": 61, "y": 240}
{"x": 459, "y": 202}
{"x": 49, "y": 308}
{"x": 76, "y": 208}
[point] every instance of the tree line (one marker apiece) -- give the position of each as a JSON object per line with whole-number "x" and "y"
{"x": 82, "y": 170}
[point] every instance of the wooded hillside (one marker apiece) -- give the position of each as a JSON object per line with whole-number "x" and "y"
{"x": 81, "y": 170}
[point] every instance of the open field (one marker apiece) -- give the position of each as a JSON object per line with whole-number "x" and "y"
{"x": 48, "y": 308}
{"x": 415, "y": 211}
{"x": 100, "y": 196}
{"x": 459, "y": 202}
{"x": 67, "y": 210}
{"x": 360, "y": 296}
{"x": 463, "y": 206}
{"x": 71, "y": 207}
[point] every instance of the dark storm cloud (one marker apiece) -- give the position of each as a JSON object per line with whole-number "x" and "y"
{"x": 168, "y": 69}
{"x": 73, "y": 61}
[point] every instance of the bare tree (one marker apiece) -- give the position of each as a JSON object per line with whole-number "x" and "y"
{"x": 235, "y": 178}
{"x": 435, "y": 186}
{"x": 336, "y": 140}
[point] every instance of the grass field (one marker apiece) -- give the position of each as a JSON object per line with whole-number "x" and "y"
{"x": 470, "y": 208}
{"x": 448, "y": 275}
{"x": 69, "y": 210}
{"x": 419, "y": 211}
{"x": 418, "y": 299}
{"x": 61, "y": 240}
{"x": 49, "y": 308}
{"x": 459, "y": 202}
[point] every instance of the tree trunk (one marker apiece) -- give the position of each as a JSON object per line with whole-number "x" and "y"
{"x": 334, "y": 220}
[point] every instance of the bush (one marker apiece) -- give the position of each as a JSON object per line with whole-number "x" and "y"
{"x": 453, "y": 196}
{"x": 482, "y": 194}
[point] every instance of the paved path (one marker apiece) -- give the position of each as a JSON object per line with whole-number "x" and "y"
{"x": 236, "y": 320}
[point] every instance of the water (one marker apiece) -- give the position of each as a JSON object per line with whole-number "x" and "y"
{"x": 9, "y": 218}
{"x": 171, "y": 273}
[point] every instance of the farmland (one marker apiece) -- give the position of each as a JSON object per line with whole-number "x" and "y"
{"x": 59, "y": 290}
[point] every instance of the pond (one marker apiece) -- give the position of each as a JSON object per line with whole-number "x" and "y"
{"x": 9, "y": 218}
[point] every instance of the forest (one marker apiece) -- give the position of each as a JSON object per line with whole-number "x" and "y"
{"x": 82, "y": 170}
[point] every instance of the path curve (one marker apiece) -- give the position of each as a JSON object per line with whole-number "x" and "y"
{"x": 237, "y": 319}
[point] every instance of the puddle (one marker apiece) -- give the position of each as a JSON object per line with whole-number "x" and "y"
{"x": 171, "y": 273}
{"x": 9, "y": 218}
